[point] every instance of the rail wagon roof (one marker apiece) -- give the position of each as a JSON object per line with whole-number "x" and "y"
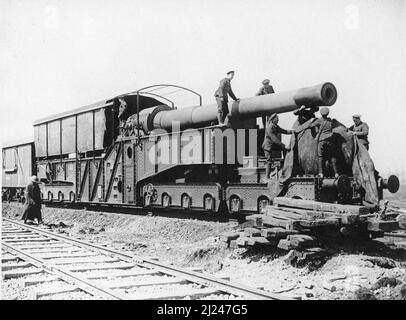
{"x": 149, "y": 93}
{"x": 19, "y": 142}
{"x": 94, "y": 106}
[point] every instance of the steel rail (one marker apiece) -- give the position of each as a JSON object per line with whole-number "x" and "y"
{"x": 192, "y": 276}
{"x": 65, "y": 275}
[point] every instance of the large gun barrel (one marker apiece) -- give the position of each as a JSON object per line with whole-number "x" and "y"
{"x": 324, "y": 94}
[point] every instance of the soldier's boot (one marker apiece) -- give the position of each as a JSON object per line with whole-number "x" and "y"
{"x": 226, "y": 121}
{"x": 320, "y": 165}
{"x": 220, "y": 117}
{"x": 334, "y": 165}
{"x": 268, "y": 168}
{"x": 264, "y": 121}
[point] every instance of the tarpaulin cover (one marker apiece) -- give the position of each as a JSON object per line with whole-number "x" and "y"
{"x": 352, "y": 156}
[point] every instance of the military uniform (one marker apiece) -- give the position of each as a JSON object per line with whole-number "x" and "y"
{"x": 304, "y": 114}
{"x": 361, "y": 131}
{"x": 325, "y": 146}
{"x": 265, "y": 89}
{"x": 272, "y": 142}
{"x": 32, "y": 208}
{"x": 221, "y": 94}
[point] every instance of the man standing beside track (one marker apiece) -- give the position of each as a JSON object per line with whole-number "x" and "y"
{"x": 32, "y": 208}
{"x": 224, "y": 90}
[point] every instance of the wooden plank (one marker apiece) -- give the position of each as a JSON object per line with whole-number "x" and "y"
{"x": 124, "y": 274}
{"x": 10, "y": 232}
{"x": 16, "y": 241}
{"x": 260, "y": 241}
{"x": 302, "y": 241}
{"x": 242, "y": 241}
{"x": 27, "y": 283}
{"x": 276, "y": 232}
{"x": 38, "y": 294}
{"x": 44, "y": 253}
{"x": 48, "y": 246}
{"x": 89, "y": 268}
{"x": 11, "y": 266}
{"x": 20, "y": 273}
{"x": 256, "y": 219}
{"x": 191, "y": 293}
{"x": 78, "y": 261}
{"x": 345, "y": 218}
{"x": 57, "y": 255}
{"x": 283, "y": 214}
{"x": 395, "y": 234}
{"x": 319, "y": 206}
{"x": 227, "y": 237}
{"x": 252, "y": 232}
{"x": 302, "y": 212}
{"x": 4, "y": 260}
{"x": 20, "y": 236}
{"x": 151, "y": 282}
{"x": 379, "y": 225}
{"x": 319, "y": 222}
{"x": 275, "y": 222}
{"x": 195, "y": 269}
{"x": 285, "y": 245}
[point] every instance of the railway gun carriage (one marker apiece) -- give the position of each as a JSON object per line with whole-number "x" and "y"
{"x": 139, "y": 150}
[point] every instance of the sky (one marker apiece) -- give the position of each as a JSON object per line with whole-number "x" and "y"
{"x": 60, "y": 55}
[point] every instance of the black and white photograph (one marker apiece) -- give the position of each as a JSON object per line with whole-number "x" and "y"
{"x": 214, "y": 152}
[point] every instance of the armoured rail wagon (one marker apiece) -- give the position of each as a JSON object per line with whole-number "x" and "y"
{"x": 138, "y": 149}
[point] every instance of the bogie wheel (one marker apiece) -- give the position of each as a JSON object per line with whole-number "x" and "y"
{"x": 71, "y": 197}
{"x": 209, "y": 202}
{"x": 186, "y": 201}
{"x": 263, "y": 202}
{"x": 235, "y": 204}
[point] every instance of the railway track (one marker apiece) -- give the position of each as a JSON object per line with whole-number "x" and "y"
{"x": 104, "y": 273}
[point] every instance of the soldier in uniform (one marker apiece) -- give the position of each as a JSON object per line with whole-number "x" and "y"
{"x": 272, "y": 141}
{"x": 304, "y": 114}
{"x": 265, "y": 89}
{"x": 221, "y": 94}
{"x": 32, "y": 207}
{"x": 361, "y": 130}
{"x": 325, "y": 148}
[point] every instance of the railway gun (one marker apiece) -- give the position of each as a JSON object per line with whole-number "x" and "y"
{"x": 139, "y": 150}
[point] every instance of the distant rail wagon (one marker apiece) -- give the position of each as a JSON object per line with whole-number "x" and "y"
{"x": 17, "y": 168}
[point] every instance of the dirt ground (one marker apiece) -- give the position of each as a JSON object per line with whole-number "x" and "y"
{"x": 367, "y": 271}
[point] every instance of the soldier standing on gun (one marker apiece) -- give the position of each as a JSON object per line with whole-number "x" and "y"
{"x": 265, "y": 89}
{"x": 324, "y": 141}
{"x": 272, "y": 141}
{"x": 361, "y": 130}
{"x": 222, "y": 94}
